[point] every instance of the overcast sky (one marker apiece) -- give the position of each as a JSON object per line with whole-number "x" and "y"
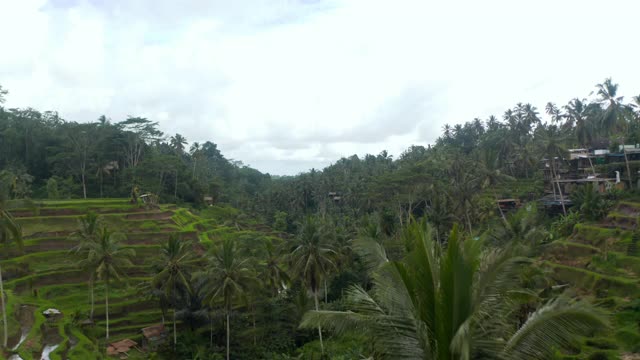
{"x": 287, "y": 85}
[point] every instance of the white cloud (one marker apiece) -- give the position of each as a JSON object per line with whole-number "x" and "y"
{"x": 287, "y": 85}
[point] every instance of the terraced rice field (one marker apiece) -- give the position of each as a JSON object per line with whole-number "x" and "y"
{"x": 600, "y": 263}
{"x": 45, "y": 275}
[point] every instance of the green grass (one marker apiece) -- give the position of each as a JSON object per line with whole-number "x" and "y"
{"x": 44, "y": 274}
{"x": 572, "y": 248}
{"x": 582, "y": 278}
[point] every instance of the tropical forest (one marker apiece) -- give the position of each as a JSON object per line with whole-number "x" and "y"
{"x": 510, "y": 237}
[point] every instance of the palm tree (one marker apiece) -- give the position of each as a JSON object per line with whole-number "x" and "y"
{"x": 614, "y": 115}
{"x": 174, "y": 273}
{"x": 227, "y": 277}
{"x": 552, "y": 110}
{"x": 87, "y": 234}
{"x": 312, "y": 258}
{"x": 446, "y": 131}
{"x": 552, "y": 144}
{"x": 521, "y": 226}
{"x": 464, "y": 186}
{"x": 454, "y": 303}
{"x": 195, "y": 151}
{"x": 438, "y": 212}
{"x": 10, "y": 232}
{"x": 178, "y": 143}
{"x": 578, "y": 114}
{"x": 109, "y": 259}
{"x": 614, "y": 110}
{"x": 273, "y": 274}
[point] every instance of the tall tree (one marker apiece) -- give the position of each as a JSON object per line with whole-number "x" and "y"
{"x": 312, "y": 258}
{"x": 552, "y": 145}
{"x": 174, "y": 275}
{"x": 578, "y": 114}
{"x": 178, "y": 143}
{"x": 226, "y": 277}
{"x": 614, "y": 110}
{"x": 273, "y": 273}
{"x": 195, "y": 154}
{"x": 109, "y": 258}
{"x": 86, "y": 237}
{"x": 82, "y": 140}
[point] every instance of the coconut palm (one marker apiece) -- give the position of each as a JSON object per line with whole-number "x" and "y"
{"x": 10, "y": 232}
{"x": 614, "y": 111}
{"x": 312, "y": 258}
{"x": 454, "y": 303}
{"x": 227, "y": 277}
{"x": 521, "y": 226}
{"x": 109, "y": 259}
{"x": 552, "y": 110}
{"x": 195, "y": 152}
{"x": 273, "y": 273}
{"x": 174, "y": 275}
{"x": 552, "y": 144}
{"x": 613, "y": 117}
{"x": 580, "y": 116}
{"x": 86, "y": 235}
{"x": 178, "y": 142}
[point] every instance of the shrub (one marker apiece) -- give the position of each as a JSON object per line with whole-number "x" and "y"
{"x": 592, "y": 205}
{"x": 52, "y": 189}
{"x": 564, "y": 225}
{"x": 632, "y": 248}
{"x": 280, "y": 221}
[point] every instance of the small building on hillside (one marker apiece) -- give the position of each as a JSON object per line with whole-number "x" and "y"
{"x": 121, "y": 348}
{"x": 335, "y": 196}
{"x": 153, "y": 337}
{"x": 578, "y": 153}
{"x": 507, "y": 205}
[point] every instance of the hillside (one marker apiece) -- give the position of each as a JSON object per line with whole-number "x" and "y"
{"x": 601, "y": 261}
{"x": 44, "y": 275}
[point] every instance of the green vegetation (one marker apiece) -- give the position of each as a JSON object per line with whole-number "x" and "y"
{"x": 121, "y": 228}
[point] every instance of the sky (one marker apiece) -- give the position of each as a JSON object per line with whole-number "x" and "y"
{"x": 289, "y": 85}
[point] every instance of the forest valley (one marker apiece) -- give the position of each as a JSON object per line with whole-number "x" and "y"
{"x": 509, "y": 238}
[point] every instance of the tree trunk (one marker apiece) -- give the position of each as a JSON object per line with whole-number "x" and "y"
{"x": 593, "y": 169}
{"x": 504, "y": 218}
{"x": 193, "y": 174}
{"x": 210, "y": 330}
{"x": 101, "y": 183}
{"x": 315, "y": 299}
{"x": 553, "y": 186}
{"x": 228, "y": 333}
{"x": 5, "y": 336}
{"x": 175, "y": 332}
{"x": 106, "y": 308}
{"x": 553, "y": 168}
{"x": 325, "y": 292}
{"x": 84, "y": 186}
{"x": 253, "y": 318}
{"x": 466, "y": 213}
{"x": 626, "y": 160}
{"x": 92, "y": 298}
{"x": 175, "y": 188}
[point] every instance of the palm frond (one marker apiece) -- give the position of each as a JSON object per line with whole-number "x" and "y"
{"x": 554, "y": 326}
{"x": 371, "y": 251}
